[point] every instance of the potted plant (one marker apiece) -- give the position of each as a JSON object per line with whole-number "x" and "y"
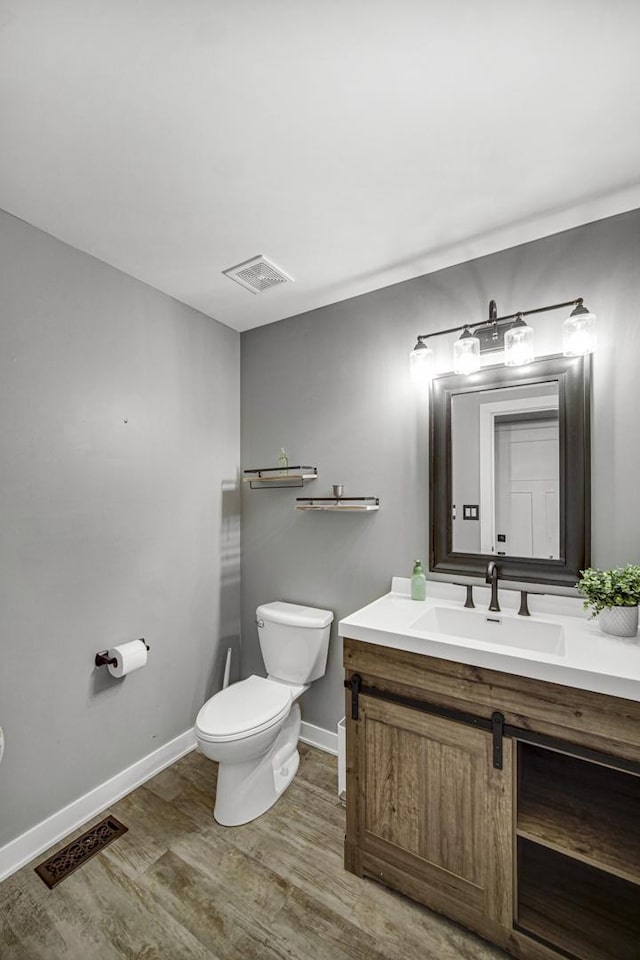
{"x": 613, "y": 596}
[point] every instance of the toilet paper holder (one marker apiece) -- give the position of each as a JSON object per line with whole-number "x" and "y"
{"x": 103, "y": 659}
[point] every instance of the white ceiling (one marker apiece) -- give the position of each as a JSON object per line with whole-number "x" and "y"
{"x": 356, "y": 143}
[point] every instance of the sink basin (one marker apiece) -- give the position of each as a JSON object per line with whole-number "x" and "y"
{"x": 487, "y": 627}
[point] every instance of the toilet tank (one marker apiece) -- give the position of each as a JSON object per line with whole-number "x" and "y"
{"x": 294, "y": 640}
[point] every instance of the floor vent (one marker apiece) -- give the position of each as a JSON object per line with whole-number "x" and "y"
{"x": 76, "y": 853}
{"x": 258, "y": 275}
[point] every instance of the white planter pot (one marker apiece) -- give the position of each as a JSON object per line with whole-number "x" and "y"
{"x": 619, "y": 621}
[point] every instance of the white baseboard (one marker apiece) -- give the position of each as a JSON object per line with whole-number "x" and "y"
{"x": 35, "y": 841}
{"x": 320, "y": 738}
{"x": 39, "y": 838}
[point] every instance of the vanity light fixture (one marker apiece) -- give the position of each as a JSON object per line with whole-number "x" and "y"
{"x": 510, "y": 333}
{"x": 518, "y": 343}
{"x": 466, "y": 353}
{"x": 421, "y": 362}
{"x": 579, "y": 332}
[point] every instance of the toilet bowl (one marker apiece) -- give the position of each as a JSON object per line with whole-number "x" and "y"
{"x": 252, "y": 727}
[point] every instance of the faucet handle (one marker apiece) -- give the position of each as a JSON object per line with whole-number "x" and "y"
{"x": 524, "y": 604}
{"x": 469, "y": 600}
{"x": 524, "y": 607}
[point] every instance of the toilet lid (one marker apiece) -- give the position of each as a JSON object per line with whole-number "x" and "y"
{"x": 242, "y": 709}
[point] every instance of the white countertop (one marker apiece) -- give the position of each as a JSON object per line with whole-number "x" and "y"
{"x": 590, "y": 660}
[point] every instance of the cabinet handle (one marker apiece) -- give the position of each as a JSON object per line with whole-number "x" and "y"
{"x": 354, "y": 685}
{"x": 497, "y": 727}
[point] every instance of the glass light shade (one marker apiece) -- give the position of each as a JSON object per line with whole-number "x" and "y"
{"x": 579, "y": 333}
{"x": 421, "y": 363}
{"x": 518, "y": 344}
{"x": 466, "y": 353}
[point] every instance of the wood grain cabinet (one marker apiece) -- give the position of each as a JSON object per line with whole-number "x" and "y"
{"x": 508, "y": 804}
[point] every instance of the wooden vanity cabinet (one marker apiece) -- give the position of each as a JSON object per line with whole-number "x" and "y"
{"x": 433, "y": 815}
{"x": 510, "y": 805}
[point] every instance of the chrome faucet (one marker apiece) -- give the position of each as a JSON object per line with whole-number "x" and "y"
{"x": 492, "y": 578}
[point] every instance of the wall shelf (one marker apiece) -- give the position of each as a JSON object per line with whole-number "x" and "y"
{"x": 352, "y": 504}
{"x": 274, "y": 477}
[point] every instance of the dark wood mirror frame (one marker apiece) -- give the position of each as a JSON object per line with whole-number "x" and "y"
{"x": 574, "y": 390}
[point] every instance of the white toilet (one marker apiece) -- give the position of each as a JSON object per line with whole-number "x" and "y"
{"x": 252, "y": 727}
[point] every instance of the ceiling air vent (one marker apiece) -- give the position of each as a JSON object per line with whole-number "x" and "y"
{"x": 258, "y": 275}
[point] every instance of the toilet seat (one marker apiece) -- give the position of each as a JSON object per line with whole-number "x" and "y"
{"x": 242, "y": 710}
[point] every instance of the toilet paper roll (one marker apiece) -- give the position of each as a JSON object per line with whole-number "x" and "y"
{"x": 128, "y": 656}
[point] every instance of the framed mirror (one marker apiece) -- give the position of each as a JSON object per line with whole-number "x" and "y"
{"x": 510, "y": 471}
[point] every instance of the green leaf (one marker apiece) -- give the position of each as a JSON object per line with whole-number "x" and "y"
{"x": 603, "y": 589}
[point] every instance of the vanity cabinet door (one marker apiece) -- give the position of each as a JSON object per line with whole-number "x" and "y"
{"x": 429, "y": 815}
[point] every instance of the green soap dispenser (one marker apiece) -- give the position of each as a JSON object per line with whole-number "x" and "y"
{"x": 418, "y": 582}
{"x": 283, "y": 462}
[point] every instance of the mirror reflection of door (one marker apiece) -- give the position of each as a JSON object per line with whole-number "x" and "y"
{"x": 527, "y": 518}
{"x": 505, "y": 460}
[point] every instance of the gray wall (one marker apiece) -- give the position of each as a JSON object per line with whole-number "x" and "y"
{"x": 332, "y": 387}
{"x": 119, "y": 434}
{"x": 113, "y": 530}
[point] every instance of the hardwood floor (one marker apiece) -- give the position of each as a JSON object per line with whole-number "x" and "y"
{"x": 178, "y": 886}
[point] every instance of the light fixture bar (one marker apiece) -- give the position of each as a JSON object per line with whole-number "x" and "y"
{"x": 509, "y": 316}
{"x": 509, "y": 334}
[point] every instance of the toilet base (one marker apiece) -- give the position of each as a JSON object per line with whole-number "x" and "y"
{"x": 246, "y": 790}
